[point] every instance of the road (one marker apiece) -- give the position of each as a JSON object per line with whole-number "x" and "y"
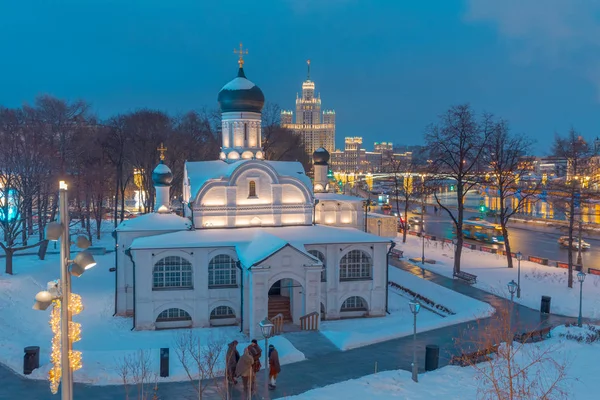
{"x": 532, "y": 240}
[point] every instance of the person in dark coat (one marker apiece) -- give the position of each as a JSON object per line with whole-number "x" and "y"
{"x": 231, "y": 360}
{"x": 255, "y": 352}
{"x": 274, "y": 366}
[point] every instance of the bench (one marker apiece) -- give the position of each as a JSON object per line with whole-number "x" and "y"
{"x": 533, "y": 336}
{"x": 465, "y": 276}
{"x": 397, "y": 253}
{"x": 475, "y": 357}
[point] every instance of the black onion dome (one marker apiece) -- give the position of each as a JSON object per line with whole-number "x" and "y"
{"x": 241, "y": 95}
{"x": 162, "y": 175}
{"x": 320, "y": 156}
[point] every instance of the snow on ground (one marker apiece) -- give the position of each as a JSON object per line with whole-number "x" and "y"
{"x": 457, "y": 383}
{"x": 352, "y": 333}
{"x": 106, "y": 340}
{"x": 493, "y": 276}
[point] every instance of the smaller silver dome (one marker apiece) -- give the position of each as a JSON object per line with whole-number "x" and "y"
{"x": 320, "y": 156}
{"x": 162, "y": 175}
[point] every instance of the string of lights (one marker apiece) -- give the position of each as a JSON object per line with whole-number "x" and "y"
{"x": 75, "y": 357}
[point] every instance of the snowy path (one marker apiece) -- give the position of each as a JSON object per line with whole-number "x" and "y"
{"x": 331, "y": 367}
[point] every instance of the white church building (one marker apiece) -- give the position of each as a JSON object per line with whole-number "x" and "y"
{"x": 257, "y": 238}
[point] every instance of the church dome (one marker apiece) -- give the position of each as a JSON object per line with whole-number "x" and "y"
{"x": 162, "y": 175}
{"x": 241, "y": 95}
{"x": 320, "y": 156}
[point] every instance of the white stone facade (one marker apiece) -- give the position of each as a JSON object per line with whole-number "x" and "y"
{"x": 252, "y": 230}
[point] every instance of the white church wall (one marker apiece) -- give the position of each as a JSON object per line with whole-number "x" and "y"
{"x": 199, "y": 301}
{"x": 124, "y": 271}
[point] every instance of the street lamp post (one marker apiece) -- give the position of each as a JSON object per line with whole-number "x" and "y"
{"x": 580, "y": 278}
{"x": 415, "y": 306}
{"x": 519, "y": 258}
{"x": 83, "y": 261}
{"x": 512, "y": 287}
{"x": 266, "y": 328}
{"x": 378, "y": 227}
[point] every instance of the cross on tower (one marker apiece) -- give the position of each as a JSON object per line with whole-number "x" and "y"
{"x": 162, "y": 150}
{"x": 241, "y": 52}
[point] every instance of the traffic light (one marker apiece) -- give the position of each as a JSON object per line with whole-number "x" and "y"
{"x": 452, "y": 188}
{"x": 482, "y": 208}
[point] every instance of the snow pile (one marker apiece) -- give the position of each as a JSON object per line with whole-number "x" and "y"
{"x": 106, "y": 340}
{"x": 457, "y": 383}
{"x": 352, "y": 333}
{"x": 493, "y": 276}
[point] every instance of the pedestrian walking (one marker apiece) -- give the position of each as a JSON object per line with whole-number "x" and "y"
{"x": 255, "y": 352}
{"x": 244, "y": 369}
{"x": 232, "y": 358}
{"x": 274, "y": 366}
{"x": 435, "y": 210}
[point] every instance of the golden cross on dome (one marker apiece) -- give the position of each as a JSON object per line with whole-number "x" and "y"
{"x": 162, "y": 150}
{"x": 241, "y": 52}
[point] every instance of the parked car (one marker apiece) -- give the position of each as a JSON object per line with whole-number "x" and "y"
{"x": 417, "y": 211}
{"x": 563, "y": 241}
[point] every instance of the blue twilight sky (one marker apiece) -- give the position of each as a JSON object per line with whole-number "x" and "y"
{"x": 388, "y": 68}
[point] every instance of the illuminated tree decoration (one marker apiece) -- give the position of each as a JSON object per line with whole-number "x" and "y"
{"x": 75, "y": 357}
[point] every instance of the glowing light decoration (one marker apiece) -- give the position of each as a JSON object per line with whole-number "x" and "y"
{"x": 75, "y": 357}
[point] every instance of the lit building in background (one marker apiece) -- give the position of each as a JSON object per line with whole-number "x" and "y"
{"x": 355, "y": 159}
{"x": 316, "y": 128}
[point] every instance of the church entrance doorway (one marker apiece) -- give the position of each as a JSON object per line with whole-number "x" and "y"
{"x": 286, "y": 297}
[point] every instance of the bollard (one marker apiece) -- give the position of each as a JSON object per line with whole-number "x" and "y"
{"x": 31, "y": 359}
{"x": 545, "y": 306}
{"x": 432, "y": 357}
{"x": 164, "y": 362}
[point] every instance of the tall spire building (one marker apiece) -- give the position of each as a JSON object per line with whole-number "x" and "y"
{"x": 316, "y": 127}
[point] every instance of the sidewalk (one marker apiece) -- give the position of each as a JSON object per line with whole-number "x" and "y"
{"x": 324, "y": 366}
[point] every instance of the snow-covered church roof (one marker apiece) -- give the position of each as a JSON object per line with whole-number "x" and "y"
{"x": 199, "y": 172}
{"x": 257, "y": 243}
{"x": 155, "y": 222}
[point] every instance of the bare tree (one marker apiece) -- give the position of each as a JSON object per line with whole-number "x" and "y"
{"x": 135, "y": 369}
{"x": 570, "y": 190}
{"x": 456, "y": 146}
{"x": 201, "y": 361}
{"x": 147, "y": 129}
{"x": 16, "y": 187}
{"x": 281, "y": 144}
{"x": 509, "y": 370}
{"x": 403, "y": 189}
{"x": 503, "y": 154}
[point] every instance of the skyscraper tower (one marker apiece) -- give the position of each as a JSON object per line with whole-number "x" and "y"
{"x": 316, "y": 128}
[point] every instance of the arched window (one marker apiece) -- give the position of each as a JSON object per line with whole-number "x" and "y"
{"x": 356, "y": 264}
{"x": 173, "y": 314}
{"x": 222, "y": 312}
{"x": 354, "y": 303}
{"x": 222, "y": 271}
{"x": 321, "y": 258}
{"x": 252, "y": 189}
{"x": 172, "y": 272}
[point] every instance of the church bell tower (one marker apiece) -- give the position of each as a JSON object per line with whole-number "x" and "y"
{"x": 241, "y": 103}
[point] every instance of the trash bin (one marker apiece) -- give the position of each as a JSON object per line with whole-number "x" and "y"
{"x": 432, "y": 357}
{"x": 164, "y": 362}
{"x": 545, "y": 307}
{"x": 31, "y": 360}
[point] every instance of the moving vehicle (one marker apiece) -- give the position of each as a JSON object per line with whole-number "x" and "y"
{"x": 563, "y": 241}
{"x": 401, "y": 224}
{"x": 415, "y": 220}
{"x": 483, "y": 231}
